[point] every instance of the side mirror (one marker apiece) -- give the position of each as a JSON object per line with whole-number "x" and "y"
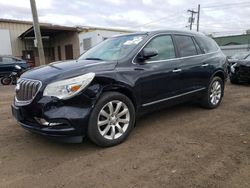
{"x": 18, "y": 67}
{"x": 149, "y": 52}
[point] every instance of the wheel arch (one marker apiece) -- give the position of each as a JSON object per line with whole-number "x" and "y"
{"x": 123, "y": 90}
{"x": 221, "y": 74}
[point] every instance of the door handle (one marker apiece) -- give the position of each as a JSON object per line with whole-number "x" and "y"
{"x": 177, "y": 70}
{"x": 139, "y": 69}
{"x": 205, "y": 65}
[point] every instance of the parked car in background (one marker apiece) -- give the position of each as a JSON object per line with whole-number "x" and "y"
{"x": 240, "y": 70}
{"x": 100, "y": 94}
{"x": 239, "y": 56}
{"x": 8, "y": 63}
{"x": 13, "y": 76}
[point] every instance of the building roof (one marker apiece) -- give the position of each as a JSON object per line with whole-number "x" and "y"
{"x": 15, "y": 21}
{"x": 233, "y": 40}
{"x": 87, "y": 28}
{"x": 48, "y": 30}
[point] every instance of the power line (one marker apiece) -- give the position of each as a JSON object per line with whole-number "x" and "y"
{"x": 225, "y": 5}
{"x": 209, "y": 7}
{"x": 159, "y": 20}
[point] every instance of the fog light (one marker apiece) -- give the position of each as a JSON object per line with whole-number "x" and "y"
{"x": 46, "y": 123}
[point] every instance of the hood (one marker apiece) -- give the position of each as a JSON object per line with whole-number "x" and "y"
{"x": 232, "y": 60}
{"x": 67, "y": 69}
{"x": 244, "y": 63}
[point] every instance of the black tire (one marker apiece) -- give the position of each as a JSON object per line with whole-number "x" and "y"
{"x": 206, "y": 100}
{"x": 6, "y": 80}
{"x": 93, "y": 131}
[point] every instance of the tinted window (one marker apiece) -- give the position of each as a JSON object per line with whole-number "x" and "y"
{"x": 185, "y": 45}
{"x": 207, "y": 44}
{"x": 8, "y": 60}
{"x": 197, "y": 47}
{"x": 165, "y": 47}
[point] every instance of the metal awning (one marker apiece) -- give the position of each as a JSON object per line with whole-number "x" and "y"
{"x": 47, "y": 31}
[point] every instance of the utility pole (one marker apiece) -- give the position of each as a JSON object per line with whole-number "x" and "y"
{"x": 37, "y": 32}
{"x": 191, "y": 19}
{"x": 198, "y": 18}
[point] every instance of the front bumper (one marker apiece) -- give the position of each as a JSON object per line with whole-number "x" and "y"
{"x": 242, "y": 73}
{"x": 71, "y": 118}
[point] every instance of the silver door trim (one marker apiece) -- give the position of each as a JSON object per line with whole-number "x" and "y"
{"x": 176, "y": 70}
{"x": 173, "y": 97}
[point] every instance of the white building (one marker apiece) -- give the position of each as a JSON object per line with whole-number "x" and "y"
{"x": 91, "y": 36}
{"x": 59, "y": 42}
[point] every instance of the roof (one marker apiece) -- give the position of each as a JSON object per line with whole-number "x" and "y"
{"x": 180, "y": 32}
{"x": 15, "y": 21}
{"x": 65, "y": 28}
{"x": 233, "y": 40}
{"x": 48, "y": 30}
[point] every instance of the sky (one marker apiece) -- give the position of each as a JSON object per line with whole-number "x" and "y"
{"x": 217, "y": 17}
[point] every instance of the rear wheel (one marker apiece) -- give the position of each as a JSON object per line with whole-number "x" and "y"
{"x": 6, "y": 80}
{"x": 214, "y": 94}
{"x": 111, "y": 120}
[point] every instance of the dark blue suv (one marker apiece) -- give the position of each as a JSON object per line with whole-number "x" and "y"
{"x": 100, "y": 94}
{"x": 7, "y": 64}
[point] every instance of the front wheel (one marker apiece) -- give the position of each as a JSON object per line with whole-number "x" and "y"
{"x": 214, "y": 94}
{"x": 111, "y": 120}
{"x": 6, "y": 80}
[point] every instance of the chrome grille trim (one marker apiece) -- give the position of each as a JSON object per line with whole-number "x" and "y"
{"x": 26, "y": 91}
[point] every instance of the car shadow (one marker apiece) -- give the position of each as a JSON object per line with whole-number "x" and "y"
{"x": 141, "y": 123}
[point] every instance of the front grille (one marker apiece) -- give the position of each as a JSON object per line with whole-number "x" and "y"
{"x": 244, "y": 70}
{"x": 26, "y": 90}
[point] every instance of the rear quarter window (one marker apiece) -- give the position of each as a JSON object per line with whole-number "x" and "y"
{"x": 207, "y": 44}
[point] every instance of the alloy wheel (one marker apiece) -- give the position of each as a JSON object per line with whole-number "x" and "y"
{"x": 113, "y": 120}
{"x": 216, "y": 93}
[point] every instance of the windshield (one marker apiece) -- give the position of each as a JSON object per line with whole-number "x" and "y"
{"x": 240, "y": 56}
{"x": 113, "y": 49}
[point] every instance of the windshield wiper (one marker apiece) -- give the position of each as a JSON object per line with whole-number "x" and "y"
{"x": 94, "y": 58}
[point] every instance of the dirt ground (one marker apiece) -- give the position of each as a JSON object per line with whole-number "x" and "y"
{"x": 185, "y": 146}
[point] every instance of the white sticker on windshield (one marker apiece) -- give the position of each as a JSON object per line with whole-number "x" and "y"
{"x": 136, "y": 40}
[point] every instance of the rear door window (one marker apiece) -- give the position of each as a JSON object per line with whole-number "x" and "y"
{"x": 197, "y": 47}
{"x": 185, "y": 45}
{"x": 165, "y": 47}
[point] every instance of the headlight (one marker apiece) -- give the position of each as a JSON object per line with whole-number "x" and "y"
{"x": 232, "y": 68}
{"x": 66, "y": 89}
